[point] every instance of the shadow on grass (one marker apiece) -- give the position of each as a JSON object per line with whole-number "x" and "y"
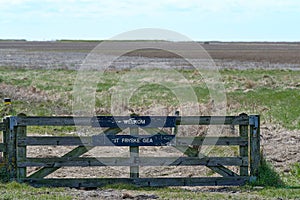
{"x": 267, "y": 176}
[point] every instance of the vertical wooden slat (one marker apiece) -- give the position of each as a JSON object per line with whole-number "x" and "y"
{"x": 243, "y": 129}
{"x": 4, "y": 140}
{"x": 243, "y": 149}
{"x": 134, "y": 155}
{"x": 21, "y": 152}
{"x": 11, "y": 149}
{"x": 175, "y": 129}
{"x": 255, "y": 146}
{"x": 5, "y": 153}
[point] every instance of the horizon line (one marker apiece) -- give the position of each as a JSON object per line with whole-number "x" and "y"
{"x": 129, "y": 40}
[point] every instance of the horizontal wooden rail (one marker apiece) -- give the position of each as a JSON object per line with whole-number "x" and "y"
{"x": 54, "y": 121}
{"x": 213, "y": 120}
{"x": 109, "y": 141}
{"x": 88, "y": 121}
{"x": 138, "y": 161}
{"x": 154, "y": 182}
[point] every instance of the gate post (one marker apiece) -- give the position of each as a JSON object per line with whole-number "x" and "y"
{"x": 134, "y": 156}
{"x": 10, "y": 140}
{"x": 254, "y": 121}
{"x": 21, "y": 150}
{"x": 4, "y": 159}
{"x": 244, "y": 149}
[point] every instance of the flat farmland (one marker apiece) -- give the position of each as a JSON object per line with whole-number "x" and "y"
{"x": 259, "y": 78}
{"x": 69, "y": 55}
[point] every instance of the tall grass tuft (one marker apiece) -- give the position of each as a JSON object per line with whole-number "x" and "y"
{"x": 268, "y": 176}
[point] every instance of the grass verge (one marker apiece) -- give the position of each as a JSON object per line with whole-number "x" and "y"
{"x": 15, "y": 190}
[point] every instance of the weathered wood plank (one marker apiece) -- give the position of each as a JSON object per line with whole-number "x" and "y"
{"x": 87, "y": 121}
{"x": 132, "y": 140}
{"x": 134, "y": 121}
{"x": 199, "y": 141}
{"x": 56, "y": 141}
{"x": 192, "y": 152}
{"x": 103, "y": 140}
{"x": 2, "y": 147}
{"x": 127, "y": 161}
{"x": 54, "y": 121}
{"x": 255, "y": 145}
{"x": 244, "y": 130}
{"x": 2, "y": 126}
{"x": 144, "y": 182}
{"x": 78, "y": 151}
{"x": 212, "y": 120}
{"x": 21, "y": 152}
{"x": 5, "y": 141}
{"x": 11, "y": 148}
{"x": 134, "y": 156}
{"x": 175, "y": 129}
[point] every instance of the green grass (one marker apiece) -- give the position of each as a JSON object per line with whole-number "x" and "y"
{"x": 244, "y": 192}
{"x": 268, "y": 176}
{"x": 274, "y": 94}
{"x": 15, "y": 190}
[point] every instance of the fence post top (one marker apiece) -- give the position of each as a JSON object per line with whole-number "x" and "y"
{"x": 12, "y": 122}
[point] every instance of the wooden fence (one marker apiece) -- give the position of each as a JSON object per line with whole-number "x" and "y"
{"x": 15, "y": 142}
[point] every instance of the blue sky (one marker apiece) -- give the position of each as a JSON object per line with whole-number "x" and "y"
{"x": 223, "y": 20}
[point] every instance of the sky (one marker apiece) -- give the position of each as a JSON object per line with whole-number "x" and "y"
{"x": 199, "y": 20}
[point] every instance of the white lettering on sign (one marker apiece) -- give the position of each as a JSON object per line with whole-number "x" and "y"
{"x": 134, "y": 121}
{"x": 147, "y": 140}
{"x": 130, "y": 140}
{"x": 115, "y": 140}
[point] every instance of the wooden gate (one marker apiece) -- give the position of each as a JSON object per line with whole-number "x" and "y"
{"x": 15, "y": 142}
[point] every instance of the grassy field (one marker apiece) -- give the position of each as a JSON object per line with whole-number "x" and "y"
{"x": 274, "y": 94}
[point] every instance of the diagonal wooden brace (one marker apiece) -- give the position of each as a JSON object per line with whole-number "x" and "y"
{"x": 192, "y": 152}
{"x": 78, "y": 151}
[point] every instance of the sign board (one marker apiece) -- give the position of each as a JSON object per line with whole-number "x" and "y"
{"x": 130, "y": 140}
{"x": 134, "y": 121}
